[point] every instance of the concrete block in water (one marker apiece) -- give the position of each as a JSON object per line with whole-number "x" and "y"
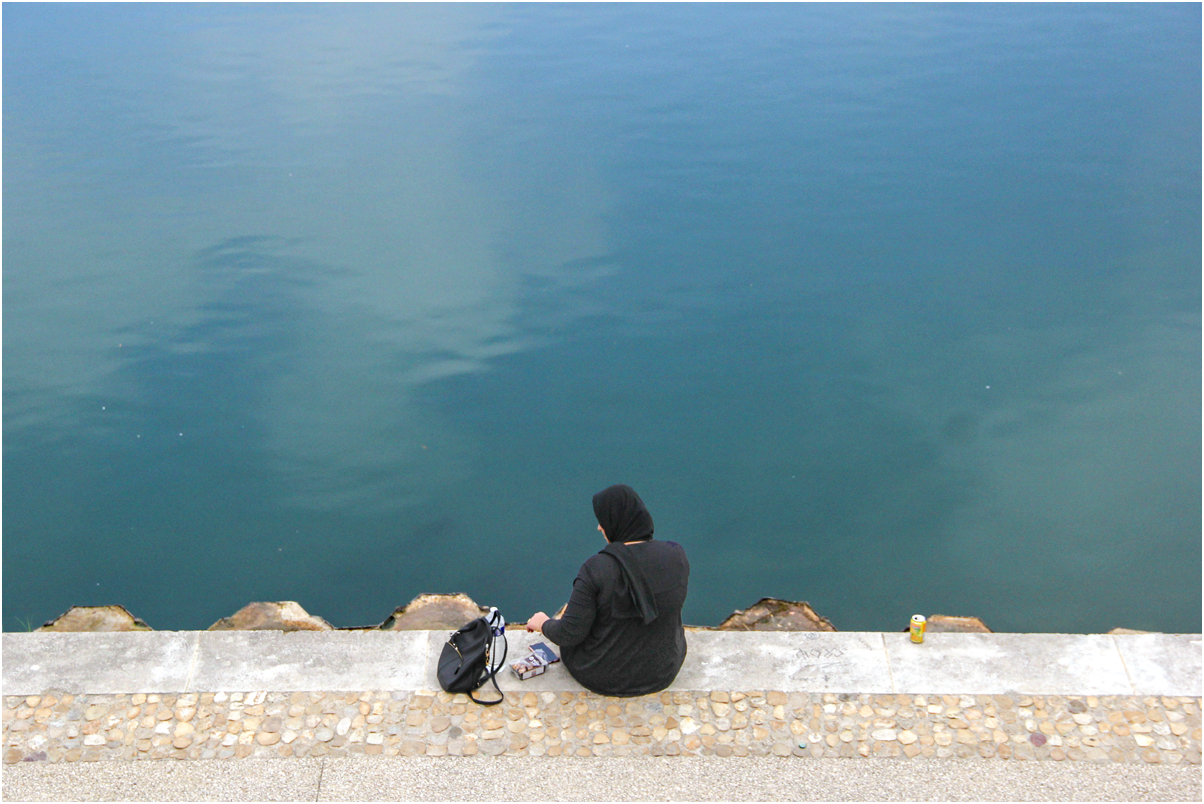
{"x": 948, "y": 624}
{"x": 286, "y": 615}
{"x": 434, "y": 612}
{"x": 774, "y": 614}
{"x": 96, "y": 618}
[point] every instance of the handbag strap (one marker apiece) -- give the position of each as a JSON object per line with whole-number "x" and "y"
{"x": 501, "y": 695}
{"x": 494, "y": 668}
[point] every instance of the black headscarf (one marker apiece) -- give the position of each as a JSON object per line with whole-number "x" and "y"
{"x": 623, "y": 518}
{"x": 622, "y": 515}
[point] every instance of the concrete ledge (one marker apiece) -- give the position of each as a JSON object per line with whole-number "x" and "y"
{"x": 1158, "y": 662}
{"x": 305, "y": 661}
{"x": 869, "y": 662}
{"x": 790, "y": 661}
{"x": 128, "y": 661}
{"x": 994, "y": 664}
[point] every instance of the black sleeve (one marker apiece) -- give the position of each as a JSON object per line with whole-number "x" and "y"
{"x": 573, "y": 626}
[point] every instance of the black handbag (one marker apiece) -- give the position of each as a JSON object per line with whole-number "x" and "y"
{"x": 469, "y": 657}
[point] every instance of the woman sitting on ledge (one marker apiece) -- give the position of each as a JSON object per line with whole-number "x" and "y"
{"x": 621, "y": 632}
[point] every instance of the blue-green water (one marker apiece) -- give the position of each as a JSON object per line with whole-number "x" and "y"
{"x": 894, "y": 308}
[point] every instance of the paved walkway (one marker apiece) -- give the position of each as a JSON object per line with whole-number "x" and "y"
{"x": 598, "y": 779}
{"x": 801, "y": 715}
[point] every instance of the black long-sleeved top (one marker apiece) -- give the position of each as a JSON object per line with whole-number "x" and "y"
{"x": 604, "y": 641}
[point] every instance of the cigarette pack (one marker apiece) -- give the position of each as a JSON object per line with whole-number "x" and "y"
{"x": 529, "y": 667}
{"x": 536, "y": 663}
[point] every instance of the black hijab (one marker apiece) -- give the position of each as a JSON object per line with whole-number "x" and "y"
{"x": 623, "y": 518}
{"x": 622, "y": 515}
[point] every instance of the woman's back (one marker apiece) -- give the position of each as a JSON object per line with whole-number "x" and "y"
{"x": 621, "y": 633}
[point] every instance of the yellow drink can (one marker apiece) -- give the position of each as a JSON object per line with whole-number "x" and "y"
{"x": 918, "y": 626}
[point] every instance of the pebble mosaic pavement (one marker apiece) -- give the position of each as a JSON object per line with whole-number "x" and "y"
{"x": 1117, "y": 729}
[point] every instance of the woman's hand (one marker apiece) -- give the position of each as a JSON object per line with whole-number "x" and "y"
{"x": 536, "y": 621}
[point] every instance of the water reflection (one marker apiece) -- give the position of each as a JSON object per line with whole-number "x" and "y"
{"x": 392, "y": 253}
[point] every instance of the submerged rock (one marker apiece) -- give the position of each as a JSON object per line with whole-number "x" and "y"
{"x": 285, "y": 615}
{"x": 772, "y": 614}
{"x": 434, "y": 613}
{"x": 96, "y": 618}
{"x": 945, "y": 624}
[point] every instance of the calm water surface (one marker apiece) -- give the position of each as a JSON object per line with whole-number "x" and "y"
{"x": 893, "y": 308}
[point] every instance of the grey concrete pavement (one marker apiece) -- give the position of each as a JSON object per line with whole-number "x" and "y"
{"x": 871, "y": 662}
{"x": 596, "y": 779}
{"x": 113, "y": 662}
{"x": 998, "y": 663}
{"x": 303, "y": 661}
{"x": 1160, "y": 661}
